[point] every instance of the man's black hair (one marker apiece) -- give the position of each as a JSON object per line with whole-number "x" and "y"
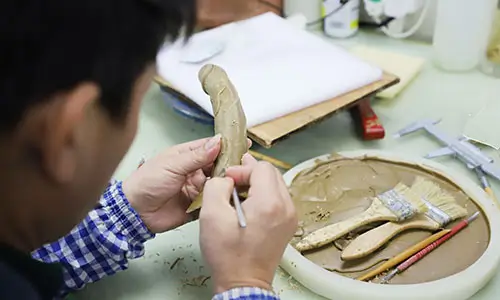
{"x": 50, "y": 46}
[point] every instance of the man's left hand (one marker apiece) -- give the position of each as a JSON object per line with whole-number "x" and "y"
{"x": 162, "y": 189}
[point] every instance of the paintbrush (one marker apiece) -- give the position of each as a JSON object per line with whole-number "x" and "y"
{"x": 442, "y": 209}
{"x": 404, "y": 255}
{"x": 422, "y": 253}
{"x": 399, "y": 204}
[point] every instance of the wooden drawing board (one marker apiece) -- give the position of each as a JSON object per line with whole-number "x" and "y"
{"x": 267, "y": 134}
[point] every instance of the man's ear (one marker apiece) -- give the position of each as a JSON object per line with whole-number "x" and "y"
{"x": 64, "y": 125}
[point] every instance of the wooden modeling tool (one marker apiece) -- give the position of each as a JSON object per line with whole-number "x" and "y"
{"x": 276, "y": 162}
{"x": 229, "y": 122}
{"x": 442, "y": 209}
{"x": 422, "y": 253}
{"x": 399, "y": 204}
{"x": 403, "y": 255}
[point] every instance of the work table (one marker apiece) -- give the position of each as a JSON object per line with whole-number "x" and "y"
{"x": 452, "y": 97}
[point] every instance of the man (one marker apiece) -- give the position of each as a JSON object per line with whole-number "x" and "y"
{"x": 73, "y": 74}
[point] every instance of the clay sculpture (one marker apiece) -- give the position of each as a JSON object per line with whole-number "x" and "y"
{"x": 229, "y": 121}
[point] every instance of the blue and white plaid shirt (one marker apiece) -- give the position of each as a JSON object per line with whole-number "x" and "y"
{"x": 103, "y": 243}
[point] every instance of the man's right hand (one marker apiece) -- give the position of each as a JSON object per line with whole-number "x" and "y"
{"x": 246, "y": 257}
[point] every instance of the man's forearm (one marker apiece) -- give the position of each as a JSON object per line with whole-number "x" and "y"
{"x": 102, "y": 244}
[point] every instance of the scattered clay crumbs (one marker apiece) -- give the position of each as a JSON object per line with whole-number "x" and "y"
{"x": 320, "y": 214}
{"x": 199, "y": 281}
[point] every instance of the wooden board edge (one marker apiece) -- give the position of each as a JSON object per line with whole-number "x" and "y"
{"x": 268, "y": 143}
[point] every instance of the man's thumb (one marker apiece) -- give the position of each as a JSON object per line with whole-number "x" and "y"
{"x": 197, "y": 158}
{"x": 217, "y": 193}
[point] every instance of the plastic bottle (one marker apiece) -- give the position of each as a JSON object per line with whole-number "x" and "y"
{"x": 490, "y": 62}
{"x": 343, "y": 22}
{"x": 461, "y": 26}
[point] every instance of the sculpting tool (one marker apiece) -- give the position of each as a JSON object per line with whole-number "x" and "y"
{"x": 404, "y": 255}
{"x": 485, "y": 184}
{"x": 236, "y": 200}
{"x": 276, "y": 162}
{"x": 399, "y": 204}
{"x": 442, "y": 210}
{"x": 422, "y": 253}
{"x": 239, "y": 210}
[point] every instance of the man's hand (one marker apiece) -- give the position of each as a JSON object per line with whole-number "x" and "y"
{"x": 163, "y": 188}
{"x": 242, "y": 257}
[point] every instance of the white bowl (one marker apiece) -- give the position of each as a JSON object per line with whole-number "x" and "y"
{"x": 460, "y": 286}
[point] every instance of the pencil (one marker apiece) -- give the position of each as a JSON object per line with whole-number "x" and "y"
{"x": 404, "y": 255}
{"x": 485, "y": 184}
{"x": 422, "y": 253}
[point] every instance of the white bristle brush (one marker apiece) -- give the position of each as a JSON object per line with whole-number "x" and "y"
{"x": 399, "y": 204}
{"x": 442, "y": 209}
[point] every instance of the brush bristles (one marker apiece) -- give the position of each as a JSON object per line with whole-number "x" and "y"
{"x": 453, "y": 210}
{"x": 426, "y": 188}
{"x": 438, "y": 198}
{"x": 411, "y": 197}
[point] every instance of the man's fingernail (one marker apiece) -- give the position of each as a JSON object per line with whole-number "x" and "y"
{"x": 213, "y": 142}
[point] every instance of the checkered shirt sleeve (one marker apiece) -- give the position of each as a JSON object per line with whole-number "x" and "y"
{"x": 102, "y": 244}
{"x": 246, "y": 293}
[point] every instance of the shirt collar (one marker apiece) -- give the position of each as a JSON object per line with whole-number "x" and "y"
{"x": 47, "y": 279}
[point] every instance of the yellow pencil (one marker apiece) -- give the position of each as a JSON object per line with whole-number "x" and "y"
{"x": 403, "y": 255}
{"x": 486, "y": 185}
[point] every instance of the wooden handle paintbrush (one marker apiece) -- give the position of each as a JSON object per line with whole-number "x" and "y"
{"x": 442, "y": 209}
{"x": 422, "y": 253}
{"x": 403, "y": 255}
{"x": 398, "y": 204}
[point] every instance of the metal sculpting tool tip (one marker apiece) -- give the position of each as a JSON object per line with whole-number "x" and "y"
{"x": 239, "y": 209}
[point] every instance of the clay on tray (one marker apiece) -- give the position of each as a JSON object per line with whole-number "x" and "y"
{"x": 342, "y": 187}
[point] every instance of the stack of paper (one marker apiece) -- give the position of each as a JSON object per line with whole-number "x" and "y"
{"x": 406, "y": 67}
{"x": 276, "y": 67}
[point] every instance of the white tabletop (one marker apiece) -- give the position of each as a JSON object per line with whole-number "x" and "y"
{"x": 433, "y": 94}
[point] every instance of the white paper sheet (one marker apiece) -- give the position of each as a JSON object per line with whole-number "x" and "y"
{"x": 482, "y": 128}
{"x": 276, "y": 67}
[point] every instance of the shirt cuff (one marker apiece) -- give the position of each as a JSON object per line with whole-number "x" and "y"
{"x": 246, "y": 293}
{"x": 129, "y": 220}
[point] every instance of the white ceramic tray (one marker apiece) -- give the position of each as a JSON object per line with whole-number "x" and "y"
{"x": 460, "y": 286}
